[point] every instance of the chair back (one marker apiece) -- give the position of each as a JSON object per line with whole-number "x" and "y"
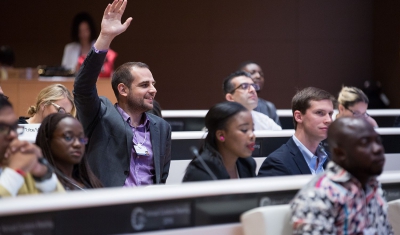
{"x": 274, "y": 220}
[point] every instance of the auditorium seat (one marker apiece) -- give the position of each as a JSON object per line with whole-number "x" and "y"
{"x": 274, "y": 220}
{"x": 394, "y": 215}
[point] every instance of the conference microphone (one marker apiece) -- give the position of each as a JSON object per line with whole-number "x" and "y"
{"x": 203, "y": 163}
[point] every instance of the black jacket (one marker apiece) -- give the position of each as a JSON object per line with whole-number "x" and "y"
{"x": 196, "y": 172}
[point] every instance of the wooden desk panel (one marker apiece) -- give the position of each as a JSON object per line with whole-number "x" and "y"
{"x": 23, "y": 92}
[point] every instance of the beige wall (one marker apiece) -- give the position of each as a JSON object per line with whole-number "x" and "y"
{"x": 192, "y": 45}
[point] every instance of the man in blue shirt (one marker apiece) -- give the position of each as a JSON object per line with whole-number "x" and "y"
{"x": 303, "y": 154}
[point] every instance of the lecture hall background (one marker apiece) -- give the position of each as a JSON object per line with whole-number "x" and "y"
{"x": 192, "y": 45}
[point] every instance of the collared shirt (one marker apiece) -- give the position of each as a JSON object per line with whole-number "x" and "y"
{"x": 311, "y": 158}
{"x": 335, "y": 203}
{"x": 141, "y": 169}
{"x": 263, "y": 122}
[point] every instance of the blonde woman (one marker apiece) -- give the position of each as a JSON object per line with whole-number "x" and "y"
{"x": 52, "y": 99}
{"x": 353, "y": 102}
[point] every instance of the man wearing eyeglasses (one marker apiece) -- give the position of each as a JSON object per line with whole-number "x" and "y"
{"x": 239, "y": 87}
{"x": 20, "y": 170}
{"x": 263, "y": 106}
{"x": 127, "y": 147}
{"x": 303, "y": 153}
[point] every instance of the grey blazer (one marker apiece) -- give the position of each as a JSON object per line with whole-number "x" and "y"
{"x": 110, "y": 137}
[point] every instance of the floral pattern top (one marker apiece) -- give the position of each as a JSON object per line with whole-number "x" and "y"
{"x": 336, "y": 203}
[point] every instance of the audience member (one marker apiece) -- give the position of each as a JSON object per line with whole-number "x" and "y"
{"x": 52, "y": 99}
{"x": 228, "y": 146}
{"x": 353, "y": 102}
{"x": 346, "y": 198}
{"x": 83, "y": 35}
{"x": 239, "y": 87}
{"x": 20, "y": 170}
{"x": 303, "y": 153}
{"x": 62, "y": 141}
{"x": 127, "y": 146}
{"x": 263, "y": 106}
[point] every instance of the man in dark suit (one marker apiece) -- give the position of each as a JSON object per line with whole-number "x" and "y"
{"x": 303, "y": 154}
{"x": 263, "y": 106}
{"x": 127, "y": 147}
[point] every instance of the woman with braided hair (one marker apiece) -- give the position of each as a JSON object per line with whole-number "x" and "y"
{"x": 63, "y": 141}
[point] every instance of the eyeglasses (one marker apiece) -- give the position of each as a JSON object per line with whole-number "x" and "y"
{"x": 246, "y": 86}
{"x": 59, "y": 108}
{"x": 69, "y": 138}
{"x": 5, "y": 129}
{"x": 357, "y": 114}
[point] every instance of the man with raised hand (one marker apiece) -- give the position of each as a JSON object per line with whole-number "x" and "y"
{"x": 127, "y": 147}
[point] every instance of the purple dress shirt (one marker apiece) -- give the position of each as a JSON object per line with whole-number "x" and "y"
{"x": 141, "y": 169}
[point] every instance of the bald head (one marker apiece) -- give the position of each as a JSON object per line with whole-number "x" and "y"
{"x": 356, "y": 147}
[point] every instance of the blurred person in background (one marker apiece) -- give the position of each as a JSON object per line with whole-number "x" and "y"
{"x": 83, "y": 35}
{"x": 353, "y": 102}
{"x": 263, "y": 106}
{"x": 55, "y": 98}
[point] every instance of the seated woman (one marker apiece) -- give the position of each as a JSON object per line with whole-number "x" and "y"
{"x": 228, "y": 146}
{"x": 83, "y": 35}
{"x": 62, "y": 141}
{"x": 52, "y": 99}
{"x": 353, "y": 102}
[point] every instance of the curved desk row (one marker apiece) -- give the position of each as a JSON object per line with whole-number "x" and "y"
{"x": 185, "y": 207}
{"x": 266, "y": 143}
{"x": 193, "y": 120}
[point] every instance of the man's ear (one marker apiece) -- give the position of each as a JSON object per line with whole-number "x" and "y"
{"x": 229, "y": 97}
{"x": 298, "y": 116}
{"x": 122, "y": 89}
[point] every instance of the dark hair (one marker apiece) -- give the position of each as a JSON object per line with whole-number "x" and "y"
{"x": 217, "y": 118}
{"x": 78, "y": 19}
{"x": 4, "y": 102}
{"x": 156, "y": 110}
{"x": 245, "y": 63}
{"x": 7, "y": 56}
{"x": 44, "y": 137}
{"x": 123, "y": 75}
{"x": 227, "y": 86}
{"x": 301, "y": 101}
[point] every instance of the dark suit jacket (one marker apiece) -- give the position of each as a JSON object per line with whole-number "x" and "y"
{"x": 110, "y": 137}
{"x": 196, "y": 172}
{"x": 286, "y": 160}
{"x": 268, "y": 109}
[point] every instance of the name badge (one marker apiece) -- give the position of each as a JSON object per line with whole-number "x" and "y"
{"x": 141, "y": 150}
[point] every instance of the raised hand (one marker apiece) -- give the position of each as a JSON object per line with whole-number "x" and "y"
{"x": 111, "y": 25}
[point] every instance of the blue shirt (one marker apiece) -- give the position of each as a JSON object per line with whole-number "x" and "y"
{"x": 310, "y": 158}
